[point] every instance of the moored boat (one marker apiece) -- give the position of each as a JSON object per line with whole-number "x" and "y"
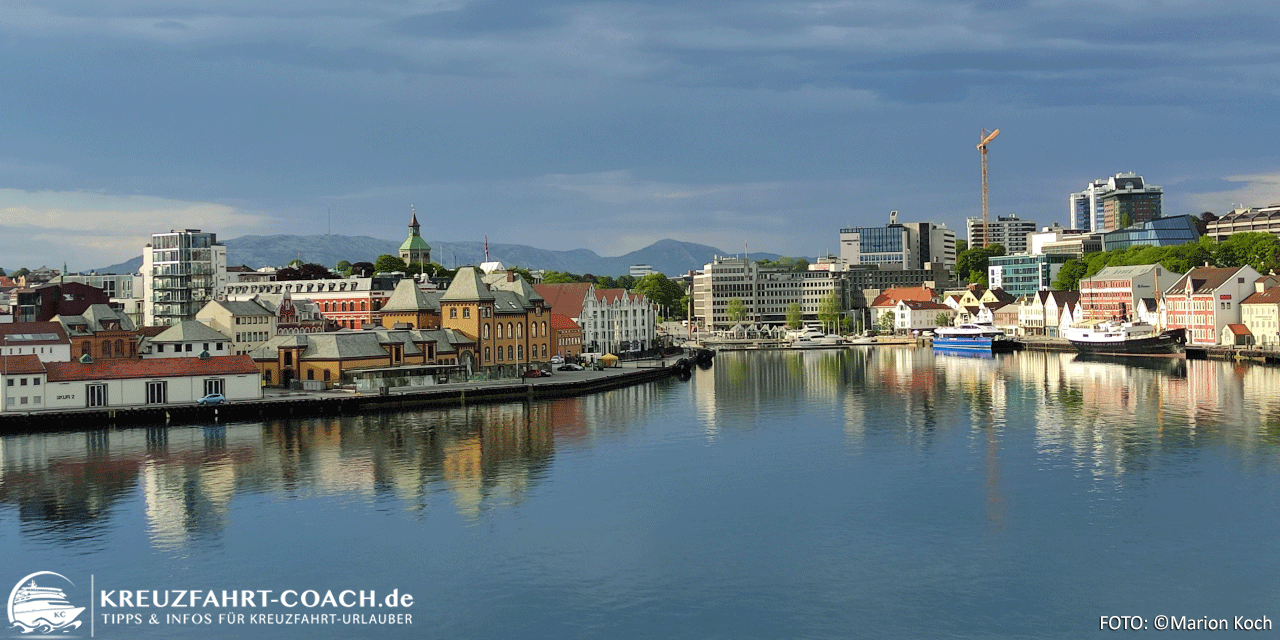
{"x": 981, "y": 337}
{"x": 1124, "y": 338}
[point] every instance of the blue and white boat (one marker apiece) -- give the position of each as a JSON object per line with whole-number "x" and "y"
{"x": 979, "y": 337}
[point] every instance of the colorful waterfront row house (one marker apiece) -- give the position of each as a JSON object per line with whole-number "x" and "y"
{"x": 566, "y": 336}
{"x": 1260, "y": 313}
{"x": 1207, "y": 299}
{"x": 1114, "y": 292}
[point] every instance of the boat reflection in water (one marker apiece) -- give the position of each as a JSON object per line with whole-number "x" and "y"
{"x": 963, "y": 352}
{"x": 1170, "y": 365}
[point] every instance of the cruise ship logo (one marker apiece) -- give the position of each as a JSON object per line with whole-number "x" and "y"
{"x": 42, "y": 609}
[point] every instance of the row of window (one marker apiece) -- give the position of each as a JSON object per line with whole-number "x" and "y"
{"x": 253, "y": 319}
{"x": 345, "y": 306}
{"x": 252, "y": 336}
{"x": 514, "y": 330}
{"x": 111, "y": 349}
{"x": 514, "y": 354}
{"x": 187, "y": 348}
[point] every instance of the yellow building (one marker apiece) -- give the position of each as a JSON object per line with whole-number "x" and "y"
{"x": 507, "y": 319}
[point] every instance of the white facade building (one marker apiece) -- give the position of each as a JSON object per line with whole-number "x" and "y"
{"x": 766, "y": 292}
{"x": 911, "y": 315}
{"x": 31, "y": 385}
{"x": 181, "y": 272}
{"x": 188, "y": 339}
{"x": 1008, "y": 231}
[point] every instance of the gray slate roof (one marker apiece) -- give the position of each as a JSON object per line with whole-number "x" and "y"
{"x": 246, "y": 308}
{"x": 467, "y": 287}
{"x": 189, "y": 331}
{"x": 408, "y": 297}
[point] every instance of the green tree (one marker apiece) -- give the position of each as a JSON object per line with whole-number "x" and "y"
{"x": 295, "y": 263}
{"x": 662, "y": 291}
{"x": 971, "y": 264}
{"x": 343, "y": 267}
{"x": 2, "y": 273}
{"x": 362, "y": 269}
{"x": 961, "y": 246}
{"x": 626, "y": 282}
{"x": 560, "y": 277}
{"x": 312, "y": 271}
{"x": 1069, "y": 275}
{"x": 847, "y": 324}
{"x": 942, "y": 320}
{"x": 387, "y": 263}
{"x": 829, "y": 311}
{"x": 20, "y": 271}
{"x": 736, "y": 310}
{"x": 606, "y": 282}
{"x": 794, "y": 317}
{"x": 886, "y": 322}
{"x": 1258, "y": 250}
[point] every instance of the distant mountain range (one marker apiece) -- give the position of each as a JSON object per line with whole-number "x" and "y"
{"x": 671, "y": 257}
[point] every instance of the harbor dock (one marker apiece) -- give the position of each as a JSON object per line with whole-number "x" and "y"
{"x": 283, "y": 403}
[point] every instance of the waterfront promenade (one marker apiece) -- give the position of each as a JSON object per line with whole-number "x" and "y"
{"x": 286, "y": 403}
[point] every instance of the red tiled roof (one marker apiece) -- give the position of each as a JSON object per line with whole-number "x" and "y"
{"x": 11, "y": 328}
{"x": 892, "y": 295}
{"x": 21, "y": 364}
{"x": 150, "y": 368}
{"x": 1239, "y": 329}
{"x": 150, "y": 332}
{"x": 565, "y": 299}
{"x": 1267, "y": 296}
{"x": 925, "y": 305}
{"x": 610, "y": 296}
{"x": 1204, "y": 279}
{"x": 561, "y": 322}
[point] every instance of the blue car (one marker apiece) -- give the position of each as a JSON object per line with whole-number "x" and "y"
{"x": 213, "y": 398}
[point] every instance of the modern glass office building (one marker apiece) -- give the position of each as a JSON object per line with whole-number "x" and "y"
{"x": 1161, "y": 232}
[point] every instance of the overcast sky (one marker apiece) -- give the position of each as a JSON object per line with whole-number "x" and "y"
{"x": 609, "y": 125}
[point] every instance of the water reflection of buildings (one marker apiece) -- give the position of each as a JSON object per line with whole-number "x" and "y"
{"x": 478, "y": 456}
{"x": 1117, "y": 415}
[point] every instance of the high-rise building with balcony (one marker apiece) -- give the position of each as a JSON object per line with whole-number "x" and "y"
{"x": 1113, "y": 203}
{"x": 182, "y": 271}
{"x": 1009, "y": 232}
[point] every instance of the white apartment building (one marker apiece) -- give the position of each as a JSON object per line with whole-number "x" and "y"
{"x": 766, "y": 292}
{"x": 181, "y": 272}
{"x": 611, "y": 320}
{"x": 1008, "y": 231}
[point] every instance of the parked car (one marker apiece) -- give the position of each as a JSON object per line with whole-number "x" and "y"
{"x": 569, "y": 367}
{"x": 557, "y": 360}
{"x": 213, "y": 398}
{"x": 536, "y": 373}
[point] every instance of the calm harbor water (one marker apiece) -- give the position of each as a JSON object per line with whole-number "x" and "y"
{"x": 879, "y": 493}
